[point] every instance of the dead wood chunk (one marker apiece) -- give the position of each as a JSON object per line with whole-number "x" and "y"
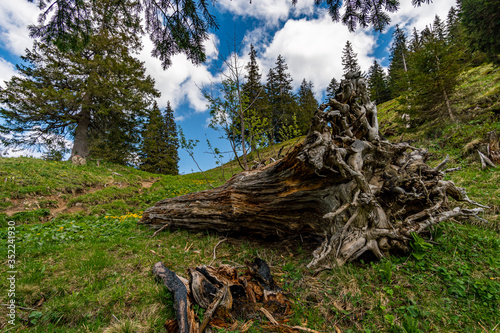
{"x": 183, "y": 311}
{"x": 202, "y": 289}
{"x": 225, "y": 306}
{"x": 262, "y": 273}
{"x": 78, "y": 160}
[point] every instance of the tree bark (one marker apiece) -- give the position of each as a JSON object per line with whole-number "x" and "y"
{"x": 81, "y": 144}
{"x": 344, "y": 183}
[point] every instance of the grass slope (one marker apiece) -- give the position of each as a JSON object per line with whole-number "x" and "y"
{"x": 85, "y": 266}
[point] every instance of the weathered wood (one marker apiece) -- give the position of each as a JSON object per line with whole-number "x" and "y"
{"x": 183, "y": 309}
{"x": 343, "y": 182}
{"x": 224, "y": 293}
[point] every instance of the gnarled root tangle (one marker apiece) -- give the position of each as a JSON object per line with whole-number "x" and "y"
{"x": 344, "y": 183}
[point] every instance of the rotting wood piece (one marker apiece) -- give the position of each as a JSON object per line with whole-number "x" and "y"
{"x": 225, "y": 294}
{"x": 184, "y": 313}
{"x": 343, "y": 183}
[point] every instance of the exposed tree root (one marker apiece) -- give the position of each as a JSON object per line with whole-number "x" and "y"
{"x": 344, "y": 183}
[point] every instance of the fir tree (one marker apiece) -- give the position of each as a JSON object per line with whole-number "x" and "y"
{"x": 281, "y": 98}
{"x": 160, "y": 143}
{"x": 332, "y": 88}
{"x": 481, "y": 22}
{"x": 454, "y": 30}
{"x": 377, "y": 83}
{"x": 398, "y": 68}
{"x": 96, "y": 95}
{"x": 257, "y": 113}
{"x": 349, "y": 60}
{"x": 414, "y": 43}
{"x": 307, "y": 106}
{"x": 438, "y": 28}
{"x": 434, "y": 73}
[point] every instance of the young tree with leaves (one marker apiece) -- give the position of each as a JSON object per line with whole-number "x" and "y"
{"x": 160, "y": 143}
{"x": 349, "y": 60}
{"x": 94, "y": 95}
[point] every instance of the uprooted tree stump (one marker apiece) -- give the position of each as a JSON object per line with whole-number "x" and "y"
{"x": 344, "y": 183}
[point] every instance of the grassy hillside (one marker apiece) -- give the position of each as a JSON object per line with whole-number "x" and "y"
{"x": 85, "y": 266}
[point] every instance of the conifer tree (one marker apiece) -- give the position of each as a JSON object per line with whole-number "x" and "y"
{"x": 454, "y": 29}
{"x": 281, "y": 98}
{"x": 96, "y": 96}
{"x": 481, "y": 22}
{"x": 332, "y": 88}
{"x": 398, "y": 69}
{"x": 160, "y": 143}
{"x": 414, "y": 42}
{"x": 377, "y": 83}
{"x": 307, "y": 106}
{"x": 349, "y": 60}
{"x": 434, "y": 73}
{"x": 257, "y": 115}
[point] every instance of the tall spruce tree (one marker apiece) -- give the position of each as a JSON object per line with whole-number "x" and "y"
{"x": 399, "y": 81}
{"x": 481, "y": 22}
{"x": 332, "y": 88}
{"x": 307, "y": 106}
{"x": 96, "y": 95}
{"x": 454, "y": 29}
{"x": 377, "y": 83}
{"x": 349, "y": 60}
{"x": 434, "y": 73}
{"x": 282, "y": 102}
{"x": 160, "y": 143}
{"x": 255, "y": 93}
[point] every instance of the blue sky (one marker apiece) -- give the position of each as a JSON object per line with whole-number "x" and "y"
{"x": 304, "y": 35}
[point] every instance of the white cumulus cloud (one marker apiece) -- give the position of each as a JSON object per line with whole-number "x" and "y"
{"x": 181, "y": 82}
{"x": 7, "y": 70}
{"x": 313, "y": 49}
{"x": 15, "y": 16}
{"x": 269, "y": 11}
{"x": 409, "y": 16}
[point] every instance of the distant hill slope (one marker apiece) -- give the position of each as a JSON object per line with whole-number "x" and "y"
{"x": 475, "y": 102}
{"x": 38, "y": 190}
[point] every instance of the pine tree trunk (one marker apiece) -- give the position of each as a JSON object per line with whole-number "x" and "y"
{"x": 448, "y": 107}
{"x": 81, "y": 144}
{"x": 343, "y": 183}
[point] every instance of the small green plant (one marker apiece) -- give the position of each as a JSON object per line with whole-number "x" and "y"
{"x": 419, "y": 246}
{"x": 385, "y": 269}
{"x": 198, "y": 311}
{"x": 34, "y": 317}
{"x": 410, "y": 324}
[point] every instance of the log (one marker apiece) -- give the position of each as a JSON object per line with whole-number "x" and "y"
{"x": 343, "y": 183}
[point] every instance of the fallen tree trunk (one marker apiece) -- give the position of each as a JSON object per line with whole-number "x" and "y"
{"x": 344, "y": 183}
